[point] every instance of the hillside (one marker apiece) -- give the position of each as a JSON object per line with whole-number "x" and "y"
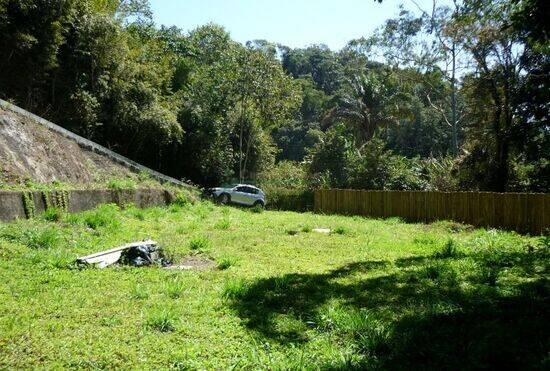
{"x": 36, "y": 151}
{"x": 31, "y": 151}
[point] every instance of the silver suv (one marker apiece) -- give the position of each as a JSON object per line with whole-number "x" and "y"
{"x": 243, "y": 194}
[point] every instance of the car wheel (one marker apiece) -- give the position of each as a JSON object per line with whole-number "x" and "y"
{"x": 259, "y": 204}
{"x": 223, "y": 198}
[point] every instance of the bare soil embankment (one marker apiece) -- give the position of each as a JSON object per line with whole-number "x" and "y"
{"x": 29, "y": 150}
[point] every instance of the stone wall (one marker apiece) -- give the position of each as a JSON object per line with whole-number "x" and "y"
{"x": 12, "y": 205}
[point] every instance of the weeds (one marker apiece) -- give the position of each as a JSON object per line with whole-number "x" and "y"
{"x": 424, "y": 239}
{"x": 103, "y": 216}
{"x": 34, "y": 238}
{"x": 488, "y": 275}
{"x": 121, "y": 184}
{"x": 360, "y": 325}
{"x": 199, "y": 243}
{"x": 306, "y": 228}
{"x": 136, "y": 212}
{"x": 53, "y": 214}
{"x": 340, "y": 230}
{"x": 226, "y": 262}
{"x": 223, "y": 224}
{"x": 448, "y": 250}
{"x": 160, "y": 319}
{"x": 181, "y": 199}
{"x": 257, "y": 209}
{"x": 235, "y": 288}
{"x": 139, "y": 292}
{"x": 174, "y": 288}
{"x": 308, "y": 301}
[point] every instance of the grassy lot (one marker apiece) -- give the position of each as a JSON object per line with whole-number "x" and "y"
{"x": 374, "y": 293}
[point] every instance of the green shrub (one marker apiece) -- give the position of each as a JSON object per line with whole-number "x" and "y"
{"x": 258, "y": 209}
{"x": 135, "y": 212}
{"x": 283, "y": 175}
{"x": 53, "y": 214}
{"x": 289, "y": 199}
{"x": 199, "y": 243}
{"x": 103, "y": 216}
{"x": 424, "y": 239}
{"x": 181, "y": 199}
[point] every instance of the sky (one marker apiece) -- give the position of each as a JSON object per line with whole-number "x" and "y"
{"x": 294, "y": 23}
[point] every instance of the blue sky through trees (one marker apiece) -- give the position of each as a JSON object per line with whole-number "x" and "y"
{"x": 295, "y": 23}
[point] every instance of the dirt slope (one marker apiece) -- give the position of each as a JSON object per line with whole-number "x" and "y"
{"x": 29, "y": 150}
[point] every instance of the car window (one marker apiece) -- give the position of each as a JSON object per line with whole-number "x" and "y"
{"x": 251, "y": 190}
{"x": 241, "y": 189}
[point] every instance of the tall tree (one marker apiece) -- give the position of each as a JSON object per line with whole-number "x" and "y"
{"x": 497, "y": 52}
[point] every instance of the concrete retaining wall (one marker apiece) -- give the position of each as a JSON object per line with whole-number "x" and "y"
{"x": 12, "y": 204}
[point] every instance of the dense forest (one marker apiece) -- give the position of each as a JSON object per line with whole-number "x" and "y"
{"x": 445, "y": 98}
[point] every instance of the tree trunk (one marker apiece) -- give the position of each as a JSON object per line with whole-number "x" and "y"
{"x": 454, "y": 118}
{"x": 241, "y": 141}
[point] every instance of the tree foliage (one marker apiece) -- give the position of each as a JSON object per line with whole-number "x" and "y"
{"x": 442, "y": 98}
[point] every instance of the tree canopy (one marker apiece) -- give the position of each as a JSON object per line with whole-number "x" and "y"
{"x": 460, "y": 90}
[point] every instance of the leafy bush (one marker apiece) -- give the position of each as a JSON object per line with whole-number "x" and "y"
{"x": 375, "y": 167}
{"x": 289, "y": 199}
{"x": 488, "y": 275}
{"x": 285, "y": 174}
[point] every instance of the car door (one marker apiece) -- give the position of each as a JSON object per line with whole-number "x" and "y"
{"x": 249, "y": 195}
{"x": 239, "y": 195}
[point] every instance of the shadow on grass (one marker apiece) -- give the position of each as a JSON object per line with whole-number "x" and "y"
{"x": 435, "y": 317}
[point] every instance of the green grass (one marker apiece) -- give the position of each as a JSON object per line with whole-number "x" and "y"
{"x": 373, "y": 294}
{"x": 53, "y": 214}
{"x": 120, "y": 184}
{"x": 199, "y": 243}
